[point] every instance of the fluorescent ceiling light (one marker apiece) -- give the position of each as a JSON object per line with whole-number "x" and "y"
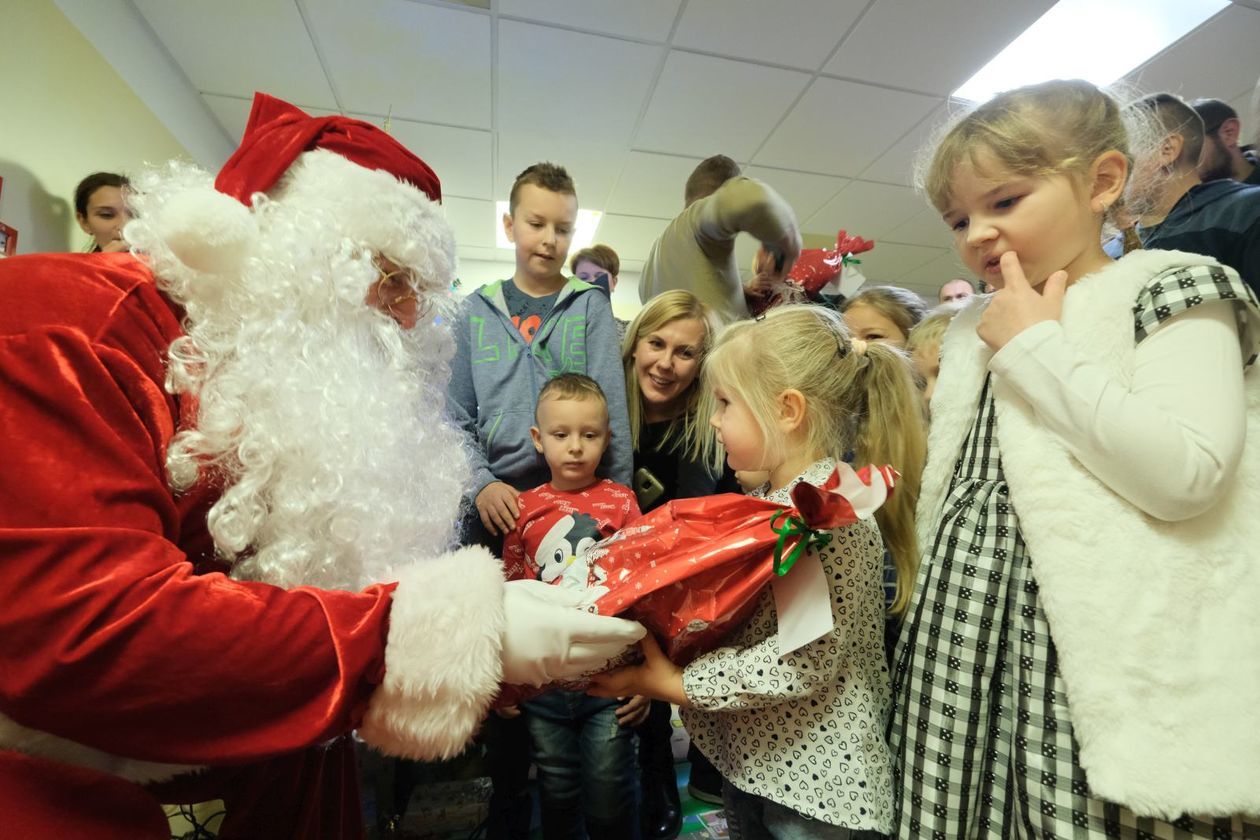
{"x": 1096, "y": 40}
{"x": 583, "y": 234}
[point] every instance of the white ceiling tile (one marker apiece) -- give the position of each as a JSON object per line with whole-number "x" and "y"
{"x": 459, "y": 156}
{"x": 928, "y": 279}
{"x": 840, "y": 127}
{"x": 233, "y": 112}
{"x": 630, "y": 236}
{"x": 474, "y": 222}
{"x": 704, "y": 106}
{"x": 926, "y": 228}
{"x": 867, "y": 210}
{"x": 593, "y": 164}
{"x": 604, "y": 81}
{"x": 237, "y": 47}
{"x": 423, "y": 62}
{"x": 896, "y": 165}
{"x": 651, "y": 185}
{"x": 888, "y": 262}
{"x": 648, "y": 20}
{"x": 756, "y": 31}
{"x": 1217, "y": 60}
{"x": 930, "y": 46}
{"x": 805, "y": 192}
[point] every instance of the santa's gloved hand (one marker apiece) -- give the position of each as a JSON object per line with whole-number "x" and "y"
{"x": 548, "y": 637}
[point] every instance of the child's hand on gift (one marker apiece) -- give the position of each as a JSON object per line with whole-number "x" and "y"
{"x": 656, "y": 677}
{"x": 634, "y": 711}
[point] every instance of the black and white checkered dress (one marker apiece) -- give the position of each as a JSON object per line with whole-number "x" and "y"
{"x": 981, "y": 718}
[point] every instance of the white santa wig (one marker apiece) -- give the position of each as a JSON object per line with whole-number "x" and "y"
{"x": 320, "y": 416}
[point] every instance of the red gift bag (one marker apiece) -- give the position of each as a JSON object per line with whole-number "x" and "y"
{"x": 691, "y": 570}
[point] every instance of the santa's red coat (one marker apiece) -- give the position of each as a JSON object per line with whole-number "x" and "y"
{"x": 124, "y": 649}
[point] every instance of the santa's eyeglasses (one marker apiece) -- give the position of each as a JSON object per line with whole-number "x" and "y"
{"x": 396, "y": 288}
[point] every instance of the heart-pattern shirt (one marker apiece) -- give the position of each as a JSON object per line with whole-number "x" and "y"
{"x": 806, "y": 730}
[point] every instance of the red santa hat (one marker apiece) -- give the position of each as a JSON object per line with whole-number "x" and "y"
{"x": 278, "y": 132}
{"x": 210, "y": 231}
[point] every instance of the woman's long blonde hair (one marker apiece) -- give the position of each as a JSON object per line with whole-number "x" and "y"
{"x": 860, "y": 399}
{"x": 686, "y": 432}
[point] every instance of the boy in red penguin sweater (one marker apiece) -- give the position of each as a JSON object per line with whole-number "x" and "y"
{"x": 584, "y": 746}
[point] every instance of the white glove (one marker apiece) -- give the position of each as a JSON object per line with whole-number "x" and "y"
{"x": 548, "y": 637}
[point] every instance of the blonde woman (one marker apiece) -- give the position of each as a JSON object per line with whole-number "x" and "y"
{"x": 662, "y": 354}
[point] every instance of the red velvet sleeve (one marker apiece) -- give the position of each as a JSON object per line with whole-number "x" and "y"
{"x": 109, "y": 639}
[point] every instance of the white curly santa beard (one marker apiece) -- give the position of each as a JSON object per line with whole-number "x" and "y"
{"x": 339, "y": 433}
{"x": 323, "y": 418}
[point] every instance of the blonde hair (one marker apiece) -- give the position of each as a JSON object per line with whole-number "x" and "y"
{"x": 1053, "y": 128}
{"x": 866, "y": 402}
{"x": 932, "y": 328}
{"x": 571, "y": 386}
{"x": 688, "y": 432}
{"x": 901, "y": 306}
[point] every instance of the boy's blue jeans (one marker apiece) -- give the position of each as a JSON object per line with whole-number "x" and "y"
{"x": 586, "y": 766}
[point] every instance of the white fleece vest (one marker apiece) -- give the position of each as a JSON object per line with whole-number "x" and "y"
{"x": 1157, "y": 624}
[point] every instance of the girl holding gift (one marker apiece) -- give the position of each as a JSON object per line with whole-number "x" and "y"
{"x": 798, "y": 736}
{"x": 1088, "y": 513}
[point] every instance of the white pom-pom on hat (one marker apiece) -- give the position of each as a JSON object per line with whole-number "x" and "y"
{"x": 207, "y": 231}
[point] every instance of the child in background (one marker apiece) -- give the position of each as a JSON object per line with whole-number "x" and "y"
{"x": 598, "y": 265}
{"x": 924, "y": 345}
{"x": 100, "y": 208}
{"x": 585, "y": 757}
{"x": 513, "y": 335}
{"x": 1088, "y": 513}
{"x": 883, "y": 313}
{"x": 799, "y": 737}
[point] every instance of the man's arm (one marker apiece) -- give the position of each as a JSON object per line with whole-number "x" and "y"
{"x": 746, "y": 205}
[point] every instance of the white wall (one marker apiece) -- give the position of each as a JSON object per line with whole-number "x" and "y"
{"x": 66, "y": 114}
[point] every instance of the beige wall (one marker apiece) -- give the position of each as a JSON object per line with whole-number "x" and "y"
{"x": 64, "y": 113}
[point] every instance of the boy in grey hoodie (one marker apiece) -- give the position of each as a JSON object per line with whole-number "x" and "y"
{"x": 512, "y": 336}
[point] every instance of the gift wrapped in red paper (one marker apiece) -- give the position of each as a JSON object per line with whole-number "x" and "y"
{"x": 691, "y": 570}
{"x": 816, "y": 269}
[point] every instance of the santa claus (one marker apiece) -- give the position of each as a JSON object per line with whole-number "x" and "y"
{"x": 259, "y": 392}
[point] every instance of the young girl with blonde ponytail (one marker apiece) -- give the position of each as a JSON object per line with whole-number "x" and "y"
{"x": 798, "y": 737}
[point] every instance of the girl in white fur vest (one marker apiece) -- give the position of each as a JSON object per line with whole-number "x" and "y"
{"x": 1081, "y": 655}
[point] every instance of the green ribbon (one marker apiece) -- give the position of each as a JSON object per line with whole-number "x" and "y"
{"x": 849, "y": 259}
{"x": 794, "y": 527}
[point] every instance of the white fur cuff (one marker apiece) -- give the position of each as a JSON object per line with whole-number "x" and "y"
{"x": 442, "y": 664}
